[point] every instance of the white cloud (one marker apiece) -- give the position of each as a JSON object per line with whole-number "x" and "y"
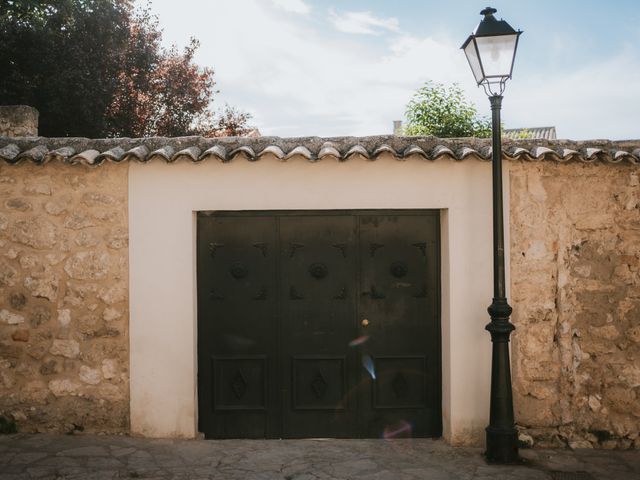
{"x": 298, "y": 79}
{"x": 597, "y": 100}
{"x": 362, "y": 23}
{"x": 294, "y": 6}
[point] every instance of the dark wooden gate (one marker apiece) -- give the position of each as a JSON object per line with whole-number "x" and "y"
{"x": 319, "y": 324}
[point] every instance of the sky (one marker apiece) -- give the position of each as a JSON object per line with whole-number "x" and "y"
{"x": 349, "y": 67}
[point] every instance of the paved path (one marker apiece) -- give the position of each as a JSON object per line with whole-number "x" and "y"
{"x": 120, "y": 457}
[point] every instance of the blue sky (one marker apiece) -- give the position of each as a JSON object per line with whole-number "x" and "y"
{"x": 312, "y": 67}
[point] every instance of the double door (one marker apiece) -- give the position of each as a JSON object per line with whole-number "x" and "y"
{"x": 318, "y": 324}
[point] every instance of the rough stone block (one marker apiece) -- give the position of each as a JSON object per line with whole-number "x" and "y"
{"x": 90, "y": 265}
{"x": 92, "y": 376}
{"x": 65, "y": 348}
{"x": 78, "y": 221}
{"x": 63, "y": 387}
{"x": 20, "y": 335}
{"x": 36, "y": 232}
{"x": 10, "y": 318}
{"x": 8, "y": 274}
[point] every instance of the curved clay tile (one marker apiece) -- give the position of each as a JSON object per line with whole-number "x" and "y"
{"x": 35, "y": 154}
{"x": 217, "y": 151}
{"x": 10, "y": 152}
{"x": 115, "y": 154}
{"x": 517, "y": 153}
{"x": 139, "y": 153}
{"x": 190, "y": 153}
{"x": 243, "y": 150}
{"x": 464, "y": 152}
{"x": 87, "y": 157}
{"x": 414, "y": 150}
{"x": 165, "y": 153}
{"x": 569, "y": 154}
{"x": 62, "y": 154}
{"x": 384, "y": 148}
{"x": 329, "y": 150}
{"x": 274, "y": 150}
{"x": 540, "y": 153}
{"x": 591, "y": 154}
{"x": 618, "y": 156}
{"x": 486, "y": 153}
{"x": 357, "y": 150}
{"x": 300, "y": 150}
{"x": 442, "y": 151}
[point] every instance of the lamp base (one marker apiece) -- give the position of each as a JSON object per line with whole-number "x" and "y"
{"x": 502, "y": 446}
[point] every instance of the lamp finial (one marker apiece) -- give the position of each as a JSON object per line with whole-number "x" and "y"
{"x": 488, "y": 11}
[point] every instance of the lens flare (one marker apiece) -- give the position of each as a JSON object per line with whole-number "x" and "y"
{"x": 359, "y": 341}
{"x": 402, "y": 429}
{"x": 367, "y": 363}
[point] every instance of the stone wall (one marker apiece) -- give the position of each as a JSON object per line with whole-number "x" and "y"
{"x": 18, "y": 121}
{"x": 64, "y": 352}
{"x": 575, "y": 289}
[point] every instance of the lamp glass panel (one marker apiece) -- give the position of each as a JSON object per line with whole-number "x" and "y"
{"x": 472, "y": 56}
{"x": 497, "y": 54}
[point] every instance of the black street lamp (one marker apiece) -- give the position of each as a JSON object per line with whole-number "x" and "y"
{"x": 491, "y": 50}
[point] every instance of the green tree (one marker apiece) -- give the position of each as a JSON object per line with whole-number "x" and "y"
{"x": 96, "y": 68}
{"x": 435, "y": 109}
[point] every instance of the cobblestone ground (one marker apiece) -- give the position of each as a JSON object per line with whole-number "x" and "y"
{"x": 120, "y": 457}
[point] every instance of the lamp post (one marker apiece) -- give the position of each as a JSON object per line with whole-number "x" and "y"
{"x": 491, "y": 51}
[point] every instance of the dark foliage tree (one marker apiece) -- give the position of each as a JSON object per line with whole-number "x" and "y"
{"x": 231, "y": 122}
{"x": 63, "y": 58}
{"x": 97, "y": 68}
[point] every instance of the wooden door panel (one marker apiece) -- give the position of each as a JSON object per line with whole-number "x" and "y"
{"x": 318, "y": 264}
{"x": 237, "y": 327}
{"x": 400, "y": 300}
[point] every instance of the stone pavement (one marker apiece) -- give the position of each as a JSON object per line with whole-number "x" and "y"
{"x": 119, "y": 457}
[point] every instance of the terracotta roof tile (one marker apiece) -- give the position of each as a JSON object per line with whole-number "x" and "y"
{"x": 136, "y": 153}
{"x": 329, "y": 150}
{"x": 165, "y": 153}
{"x": 189, "y": 153}
{"x": 35, "y": 154}
{"x": 273, "y": 150}
{"x": 195, "y": 149}
{"x": 414, "y": 150}
{"x": 114, "y": 154}
{"x": 88, "y": 157}
{"x": 59, "y": 154}
{"x": 302, "y": 151}
{"x": 384, "y": 148}
{"x": 357, "y": 149}
{"x": 442, "y": 150}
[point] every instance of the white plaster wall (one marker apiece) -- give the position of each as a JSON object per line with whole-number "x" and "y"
{"x": 163, "y": 199}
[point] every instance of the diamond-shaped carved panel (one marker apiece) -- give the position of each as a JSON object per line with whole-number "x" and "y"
{"x": 239, "y": 383}
{"x": 319, "y": 386}
{"x": 401, "y": 382}
{"x": 318, "y": 382}
{"x": 399, "y": 385}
